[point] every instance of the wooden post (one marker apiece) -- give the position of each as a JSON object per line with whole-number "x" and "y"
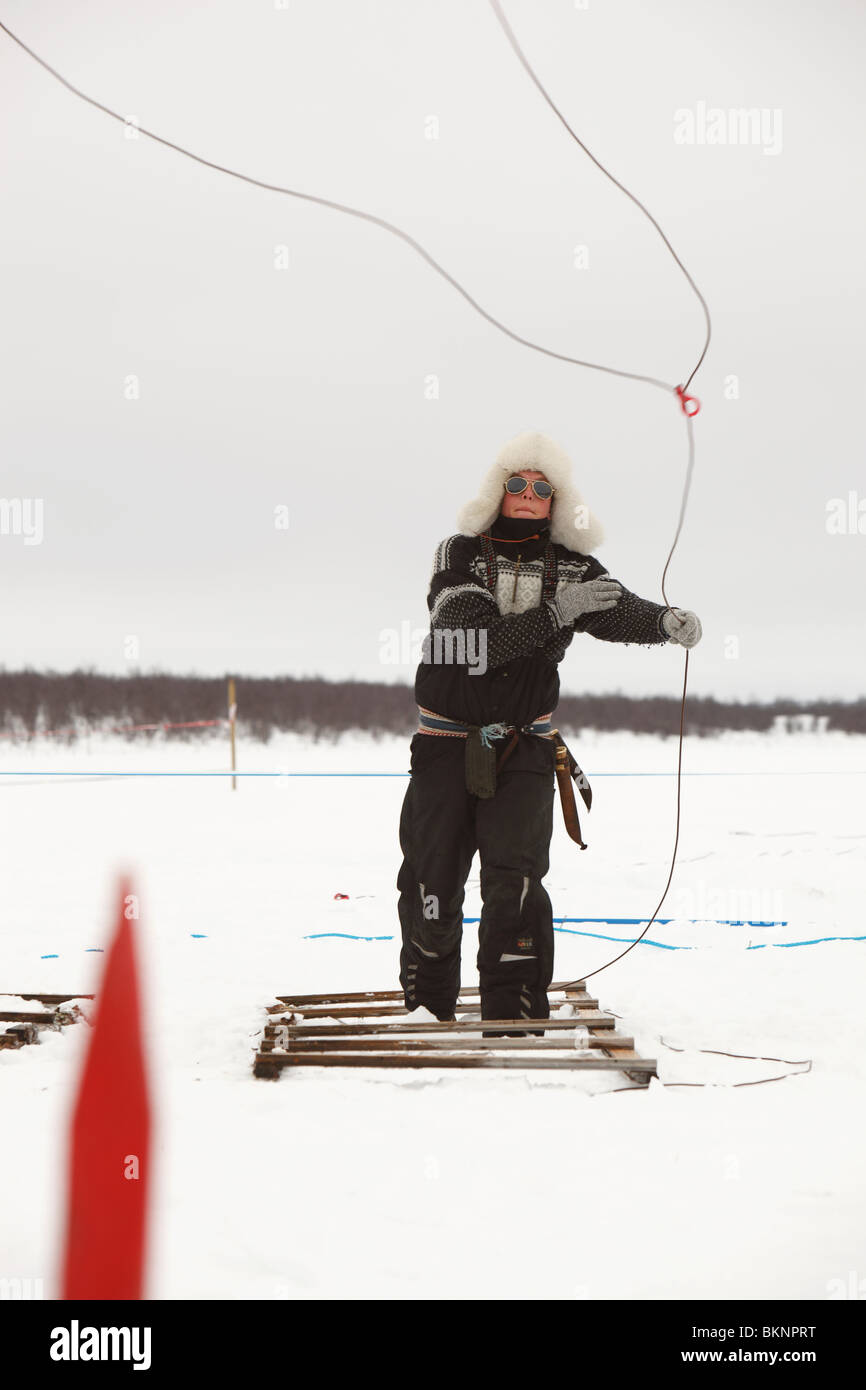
{"x": 233, "y": 710}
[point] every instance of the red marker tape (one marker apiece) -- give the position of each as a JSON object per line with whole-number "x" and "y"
{"x": 686, "y": 401}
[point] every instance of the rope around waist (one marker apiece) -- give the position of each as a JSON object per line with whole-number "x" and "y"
{"x": 437, "y": 724}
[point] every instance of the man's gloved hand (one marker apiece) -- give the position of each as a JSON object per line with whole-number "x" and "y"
{"x": 575, "y": 599}
{"x": 682, "y": 626}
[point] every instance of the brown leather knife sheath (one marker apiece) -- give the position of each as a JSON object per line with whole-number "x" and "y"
{"x": 567, "y": 771}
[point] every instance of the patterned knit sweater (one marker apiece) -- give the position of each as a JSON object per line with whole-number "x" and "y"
{"x": 502, "y": 596}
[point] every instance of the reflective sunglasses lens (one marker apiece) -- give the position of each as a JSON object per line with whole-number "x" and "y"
{"x": 516, "y": 485}
{"x": 543, "y": 489}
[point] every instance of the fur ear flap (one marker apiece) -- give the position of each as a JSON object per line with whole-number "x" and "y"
{"x": 571, "y": 522}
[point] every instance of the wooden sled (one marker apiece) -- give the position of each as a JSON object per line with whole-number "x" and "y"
{"x": 374, "y": 1029}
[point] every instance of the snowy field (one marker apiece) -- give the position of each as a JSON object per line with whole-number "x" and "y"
{"x": 441, "y": 1184}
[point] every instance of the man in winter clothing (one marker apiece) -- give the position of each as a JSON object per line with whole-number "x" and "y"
{"x": 507, "y": 594}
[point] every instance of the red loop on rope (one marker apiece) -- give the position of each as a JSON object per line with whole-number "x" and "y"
{"x": 686, "y": 401}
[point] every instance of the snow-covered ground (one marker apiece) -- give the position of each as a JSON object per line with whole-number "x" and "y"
{"x": 444, "y": 1184}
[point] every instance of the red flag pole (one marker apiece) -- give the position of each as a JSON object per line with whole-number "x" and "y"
{"x": 109, "y": 1165}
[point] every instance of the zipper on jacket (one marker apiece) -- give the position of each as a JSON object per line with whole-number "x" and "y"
{"x": 516, "y": 572}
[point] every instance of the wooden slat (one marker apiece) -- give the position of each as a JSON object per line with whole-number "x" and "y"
{"x": 7, "y": 1016}
{"x": 431, "y": 1044}
{"x": 26, "y": 1023}
{"x": 379, "y": 1010}
{"x": 45, "y": 998}
{"x": 27, "y": 1032}
{"x": 341, "y": 1030}
{"x": 280, "y": 1060}
{"x": 364, "y": 996}
{"x": 621, "y": 1052}
{"x": 624, "y": 1053}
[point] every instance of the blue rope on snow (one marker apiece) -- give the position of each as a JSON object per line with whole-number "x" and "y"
{"x": 662, "y": 945}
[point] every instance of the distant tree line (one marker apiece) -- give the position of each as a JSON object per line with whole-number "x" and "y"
{"x": 82, "y": 701}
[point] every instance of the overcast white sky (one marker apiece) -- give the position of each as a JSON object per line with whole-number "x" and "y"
{"x": 304, "y": 387}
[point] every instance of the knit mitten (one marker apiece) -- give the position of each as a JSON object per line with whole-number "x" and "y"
{"x": 575, "y": 598}
{"x": 682, "y": 626}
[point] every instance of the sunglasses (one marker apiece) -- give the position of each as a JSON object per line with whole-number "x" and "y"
{"x": 541, "y": 488}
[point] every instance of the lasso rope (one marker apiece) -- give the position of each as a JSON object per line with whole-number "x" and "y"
{"x": 688, "y": 404}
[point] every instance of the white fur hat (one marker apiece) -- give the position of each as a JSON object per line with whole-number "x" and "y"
{"x": 571, "y": 522}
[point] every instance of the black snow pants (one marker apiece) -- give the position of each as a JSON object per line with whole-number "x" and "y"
{"x": 441, "y": 827}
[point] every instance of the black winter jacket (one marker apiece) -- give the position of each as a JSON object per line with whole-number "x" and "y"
{"x": 501, "y": 595}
